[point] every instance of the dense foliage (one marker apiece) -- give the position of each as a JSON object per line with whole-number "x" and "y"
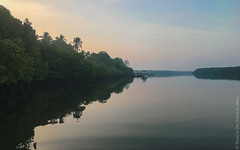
{"x": 231, "y": 73}
{"x": 26, "y": 56}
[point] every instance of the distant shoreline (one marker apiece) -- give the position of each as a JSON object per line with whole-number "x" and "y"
{"x": 165, "y": 73}
{"x": 228, "y": 73}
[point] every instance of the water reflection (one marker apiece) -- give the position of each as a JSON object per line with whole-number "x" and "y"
{"x": 24, "y": 108}
{"x": 162, "y": 113}
{"x": 218, "y": 76}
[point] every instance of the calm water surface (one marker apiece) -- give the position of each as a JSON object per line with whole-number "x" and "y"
{"x": 161, "y": 113}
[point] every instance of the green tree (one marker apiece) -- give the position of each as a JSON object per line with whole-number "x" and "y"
{"x": 46, "y": 38}
{"x": 15, "y": 65}
{"x": 10, "y": 27}
{"x": 24, "y": 57}
{"x": 77, "y": 43}
{"x": 60, "y": 42}
{"x": 29, "y": 38}
{"x": 61, "y": 38}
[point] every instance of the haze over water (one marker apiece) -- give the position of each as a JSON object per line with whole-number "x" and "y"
{"x": 161, "y": 113}
{"x": 91, "y": 108}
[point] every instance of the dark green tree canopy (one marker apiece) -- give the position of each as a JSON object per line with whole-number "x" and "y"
{"x": 77, "y": 43}
{"x": 15, "y": 65}
{"x": 26, "y": 57}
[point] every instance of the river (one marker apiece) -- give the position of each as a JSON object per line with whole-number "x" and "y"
{"x": 159, "y": 113}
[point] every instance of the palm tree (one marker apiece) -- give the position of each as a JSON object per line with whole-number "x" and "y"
{"x": 77, "y": 42}
{"x": 46, "y": 37}
{"x": 61, "y": 38}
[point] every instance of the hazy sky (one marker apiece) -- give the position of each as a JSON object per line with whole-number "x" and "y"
{"x": 151, "y": 34}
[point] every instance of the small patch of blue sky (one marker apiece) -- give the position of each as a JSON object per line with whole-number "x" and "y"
{"x": 203, "y": 14}
{"x": 190, "y": 14}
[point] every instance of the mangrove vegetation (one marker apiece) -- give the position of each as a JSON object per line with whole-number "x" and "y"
{"x": 26, "y": 56}
{"x": 228, "y": 73}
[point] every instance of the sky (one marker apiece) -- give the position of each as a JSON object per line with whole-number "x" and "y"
{"x": 150, "y": 34}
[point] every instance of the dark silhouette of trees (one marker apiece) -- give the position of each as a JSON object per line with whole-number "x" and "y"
{"x": 26, "y": 56}
{"x": 61, "y": 38}
{"x": 227, "y": 73}
{"x": 77, "y": 43}
{"x": 46, "y": 38}
{"x": 15, "y": 65}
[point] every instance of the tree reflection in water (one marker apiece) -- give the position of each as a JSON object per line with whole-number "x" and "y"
{"x": 22, "y": 108}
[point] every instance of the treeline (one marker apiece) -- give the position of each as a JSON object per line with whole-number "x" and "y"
{"x": 230, "y": 73}
{"x": 25, "y": 56}
{"x": 165, "y": 73}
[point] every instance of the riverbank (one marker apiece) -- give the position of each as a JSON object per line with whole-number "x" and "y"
{"x": 228, "y": 73}
{"x": 27, "y": 57}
